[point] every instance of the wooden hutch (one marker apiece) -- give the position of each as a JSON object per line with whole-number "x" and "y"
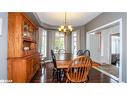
{"x": 23, "y": 58}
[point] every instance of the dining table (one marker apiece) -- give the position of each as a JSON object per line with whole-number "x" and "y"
{"x": 64, "y": 60}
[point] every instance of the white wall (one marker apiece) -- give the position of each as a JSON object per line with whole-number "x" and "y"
{"x": 106, "y": 41}
{"x": 93, "y": 44}
{"x": 3, "y": 46}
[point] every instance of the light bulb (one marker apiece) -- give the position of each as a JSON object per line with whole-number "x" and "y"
{"x": 69, "y": 27}
{"x": 62, "y": 27}
{"x": 59, "y": 29}
{"x": 64, "y": 30}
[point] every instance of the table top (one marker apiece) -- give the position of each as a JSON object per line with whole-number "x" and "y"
{"x": 64, "y": 57}
{"x": 64, "y": 60}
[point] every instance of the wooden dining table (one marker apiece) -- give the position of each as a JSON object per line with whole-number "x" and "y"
{"x": 64, "y": 60}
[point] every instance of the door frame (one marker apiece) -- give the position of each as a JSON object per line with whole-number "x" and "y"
{"x": 119, "y": 21}
{"x": 111, "y": 45}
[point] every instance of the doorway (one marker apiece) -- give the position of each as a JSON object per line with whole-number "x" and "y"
{"x": 115, "y": 49}
{"x": 107, "y": 44}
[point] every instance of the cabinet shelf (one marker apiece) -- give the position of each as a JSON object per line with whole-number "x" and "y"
{"x": 29, "y": 52}
{"x": 28, "y": 40}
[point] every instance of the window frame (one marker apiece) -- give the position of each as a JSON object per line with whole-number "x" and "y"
{"x": 58, "y": 36}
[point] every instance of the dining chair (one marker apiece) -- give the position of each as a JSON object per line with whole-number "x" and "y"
{"x": 56, "y": 71}
{"x": 80, "y": 52}
{"x": 79, "y": 69}
{"x": 86, "y": 53}
{"x": 61, "y": 51}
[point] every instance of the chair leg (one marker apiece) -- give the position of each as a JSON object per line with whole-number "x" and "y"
{"x": 88, "y": 78}
{"x": 53, "y": 76}
{"x": 58, "y": 75}
{"x": 62, "y": 75}
{"x": 67, "y": 80}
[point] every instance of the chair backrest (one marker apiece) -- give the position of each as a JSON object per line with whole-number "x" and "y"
{"x": 53, "y": 58}
{"x": 61, "y": 51}
{"x": 80, "y": 52}
{"x": 87, "y": 53}
{"x": 79, "y": 69}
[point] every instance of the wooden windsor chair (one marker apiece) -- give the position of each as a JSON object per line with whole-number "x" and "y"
{"x": 79, "y": 69}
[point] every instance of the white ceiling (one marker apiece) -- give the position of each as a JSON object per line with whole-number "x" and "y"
{"x": 73, "y": 18}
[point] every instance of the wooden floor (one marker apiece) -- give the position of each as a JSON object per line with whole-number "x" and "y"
{"x": 44, "y": 75}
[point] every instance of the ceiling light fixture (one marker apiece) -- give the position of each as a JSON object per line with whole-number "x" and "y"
{"x": 65, "y": 28}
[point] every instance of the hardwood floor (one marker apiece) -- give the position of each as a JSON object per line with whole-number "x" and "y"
{"x": 44, "y": 75}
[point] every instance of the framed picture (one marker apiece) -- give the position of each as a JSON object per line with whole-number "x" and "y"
{"x": 0, "y": 26}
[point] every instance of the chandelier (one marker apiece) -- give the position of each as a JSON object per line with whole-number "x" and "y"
{"x": 65, "y": 28}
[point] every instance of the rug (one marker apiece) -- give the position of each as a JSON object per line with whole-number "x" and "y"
{"x": 49, "y": 72}
{"x": 109, "y": 69}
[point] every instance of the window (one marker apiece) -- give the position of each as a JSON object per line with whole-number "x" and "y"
{"x": 44, "y": 43}
{"x": 115, "y": 44}
{"x": 74, "y": 43}
{"x": 59, "y": 41}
